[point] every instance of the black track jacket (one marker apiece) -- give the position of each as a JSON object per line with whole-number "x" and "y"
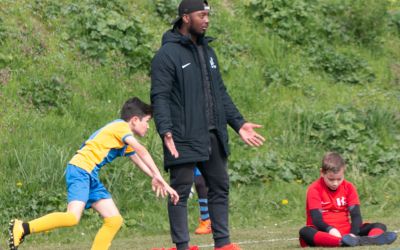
{"x": 177, "y": 97}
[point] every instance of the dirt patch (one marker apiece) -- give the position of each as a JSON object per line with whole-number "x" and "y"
{"x": 5, "y": 76}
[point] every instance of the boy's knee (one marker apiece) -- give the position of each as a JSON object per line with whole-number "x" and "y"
{"x": 72, "y": 219}
{"x": 114, "y": 222}
{"x": 380, "y": 226}
{"x": 303, "y": 231}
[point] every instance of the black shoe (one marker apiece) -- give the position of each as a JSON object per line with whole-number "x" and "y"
{"x": 350, "y": 241}
{"x": 382, "y": 239}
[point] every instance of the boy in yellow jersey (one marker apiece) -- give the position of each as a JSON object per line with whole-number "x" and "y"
{"x": 82, "y": 177}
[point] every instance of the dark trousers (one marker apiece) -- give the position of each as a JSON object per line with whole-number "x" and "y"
{"x": 215, "y": 174}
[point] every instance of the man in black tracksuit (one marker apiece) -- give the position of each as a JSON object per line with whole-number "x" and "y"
{"x": 191, "y": 112}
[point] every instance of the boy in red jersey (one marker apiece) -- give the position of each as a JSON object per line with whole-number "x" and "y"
{"x": 331, "y": 200}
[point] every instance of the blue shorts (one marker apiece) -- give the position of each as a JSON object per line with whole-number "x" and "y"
{"x": 197, "y": 172}
{"x": 82, "y": 186}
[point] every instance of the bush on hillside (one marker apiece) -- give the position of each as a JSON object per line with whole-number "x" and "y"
{"x": 105, "y": 31}
{"x": 45, "y": 95}
{"x": 305, "y": 21}
{"x": 359, "y": 21}
{"x": 289, "y": 19}
{"x": 3, "y": 33}
{"x": 354, "y": 134}
{"x": 346, "y": 67}
{"x": 167, "y": 9}
{"x": 395, "y": 20}
{"x": 46, "y": 9}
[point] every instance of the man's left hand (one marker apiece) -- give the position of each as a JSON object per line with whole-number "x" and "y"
{"x": 249, "y": 136}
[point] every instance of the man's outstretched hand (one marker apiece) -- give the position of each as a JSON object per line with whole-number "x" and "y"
{"x": 250, "y": 136}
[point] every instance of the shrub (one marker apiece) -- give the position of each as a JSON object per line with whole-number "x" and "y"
{"x": 395, "y": 20}
{"x": 289, "y": 19}
{"x": 46, "y": 9}
{"x": 47, "y": 95}
{"x": 303, "y": 21}
{"x": 167, "y": 9}
{"x": 358, "y": 21}
{"x": 352, "y": 133}
{"x": 104, "y": 31}
{"x": 346, "y": 67}
{"x": 3, "y": 32}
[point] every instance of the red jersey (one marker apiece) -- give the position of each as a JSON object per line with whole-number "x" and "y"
{"x": 333, "y": 204}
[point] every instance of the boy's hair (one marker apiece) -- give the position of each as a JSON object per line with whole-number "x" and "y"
{"x": 332, "y": 162}
{"x": 135, "y": 107}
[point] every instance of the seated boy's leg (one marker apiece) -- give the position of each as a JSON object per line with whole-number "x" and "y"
{"x": 112, "y": 223}
{"x": 376, "y": 234}
{"x": 372, "y": 229}
{"x": 313, "y": 237}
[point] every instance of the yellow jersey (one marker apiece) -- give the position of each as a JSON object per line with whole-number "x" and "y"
{"x": 103, "y": 147}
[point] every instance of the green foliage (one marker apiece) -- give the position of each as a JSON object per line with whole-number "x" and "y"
{"x": 3, "y": 32}
{"x": 167, "y": 9}
{"x": 272, "y": 167}
{"x": 105, "y": 31}
{"x": 28, "y": 204}
{"x": 346, "y": 67}
{"x": 395, "y": 20}
{"x": 279, "y": 76}
{"x": 358, "y": 21}
{"x": 53, "y": 94}
{"x": 350, "y": 132}
{"x": 304, "y": 21}
{"x": 47, "y": 9}
{"x": 288, "y": 19}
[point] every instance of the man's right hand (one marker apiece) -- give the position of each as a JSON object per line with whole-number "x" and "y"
{"x": 169, "y": 142}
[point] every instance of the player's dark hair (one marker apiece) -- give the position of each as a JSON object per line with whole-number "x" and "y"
{"x": 135, "y": 107}
{"x": 332, "y": 162}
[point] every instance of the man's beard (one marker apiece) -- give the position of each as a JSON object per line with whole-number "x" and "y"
{"x": 193, "y": 32}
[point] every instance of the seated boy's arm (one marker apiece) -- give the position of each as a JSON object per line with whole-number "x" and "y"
{"x": 356, "y": 219}
{"x": 318, "y": 221}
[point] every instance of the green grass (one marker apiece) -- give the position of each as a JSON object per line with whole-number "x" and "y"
{"x": 280, "y": 235}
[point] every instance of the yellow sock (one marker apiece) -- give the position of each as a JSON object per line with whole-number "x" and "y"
{"x": 52, "y": 221}
{"x": 106, "y": 233}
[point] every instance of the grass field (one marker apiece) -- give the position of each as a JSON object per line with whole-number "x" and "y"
{"x": 269, "y": 236}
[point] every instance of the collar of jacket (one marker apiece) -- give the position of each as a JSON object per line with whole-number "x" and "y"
{"x": 186, "y": 40}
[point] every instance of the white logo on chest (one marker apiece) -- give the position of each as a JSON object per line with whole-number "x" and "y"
{"x": 341, "y": 201}
{"x": 212, "y": 63}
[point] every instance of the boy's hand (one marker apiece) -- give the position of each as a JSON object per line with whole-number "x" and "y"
{"x": 160, "y": 187}
{"x": 249, "y": 136}
{"x": 169, "y": 142}
{"x": 335, "y": 232}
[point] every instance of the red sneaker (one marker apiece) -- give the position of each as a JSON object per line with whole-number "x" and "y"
{"x": 231, "y": 246}
{"x": 174, "y": 248}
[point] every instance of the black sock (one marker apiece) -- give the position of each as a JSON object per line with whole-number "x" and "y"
{"x": 25, "y": 226}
